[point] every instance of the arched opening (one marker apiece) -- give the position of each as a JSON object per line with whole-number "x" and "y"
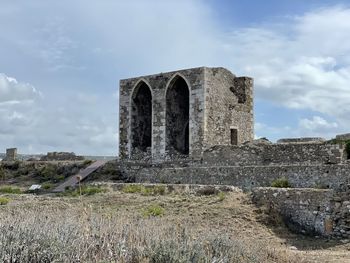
{"x": 177, "y": 117}
{"x": 141, "y": 119}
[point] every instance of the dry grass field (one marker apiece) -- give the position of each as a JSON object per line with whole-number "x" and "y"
{"x": 151, "y": 227}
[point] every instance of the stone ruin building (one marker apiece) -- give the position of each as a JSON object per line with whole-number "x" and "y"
{"x": 11, "y": 154}
{"x": 184, "y": 112}
{"x": 61, "y": 156}
{"x": 195, "y": 126}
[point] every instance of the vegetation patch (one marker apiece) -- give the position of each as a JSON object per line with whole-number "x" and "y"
{"x": 10, "y": 190}
{"x": 84, "y": 190}
{"x": 132, "y": 188}
{"x": 47, "y": 185}
{"x": 221, "y": 196}
{"x": 4, "y": 201}
{"x": 153, "y": 190}
{"x": 153, "y": 210}
{"x": 281, "y": 183}
{"x": 207, "y": 190}
{"x": 145, "y": 190}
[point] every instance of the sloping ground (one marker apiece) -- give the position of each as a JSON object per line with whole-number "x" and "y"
{"x": 75, "y": 179}
{"x": 185, "y": 220}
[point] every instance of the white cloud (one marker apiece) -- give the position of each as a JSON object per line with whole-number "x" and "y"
{"x": 12, "y": 91}
{"x": 317, "y": 126}
{"x": 303, "y": 63}
{"x": 77, "y": 51}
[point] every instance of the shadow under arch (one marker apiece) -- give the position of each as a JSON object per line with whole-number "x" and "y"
{"x": 177, "y": 116}
{"x": 141, "y": 118}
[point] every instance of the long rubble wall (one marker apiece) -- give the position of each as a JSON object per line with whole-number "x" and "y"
{"x": 275, "y": 154}
{"x": 302, "y": 176}
{"x": 317, "y": 165}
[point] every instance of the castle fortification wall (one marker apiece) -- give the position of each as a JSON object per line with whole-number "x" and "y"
{"x": 275, "y": 154}
{"x": 301, "y": 176}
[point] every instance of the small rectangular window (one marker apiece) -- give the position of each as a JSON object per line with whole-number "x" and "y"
{"x": 234, "y": 137}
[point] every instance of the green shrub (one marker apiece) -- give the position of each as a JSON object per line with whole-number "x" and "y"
{"x": 87, "y": 162}
{"x": 48, "y": 172}
{"x": 153, "y": 210}
{"x": 46, "y": 185}
{"x": 12, "y": 165}
{"x": 58, "y": 178}
{"x": 159, "y": 190}
{"x": 281, "y": 183}
{"x": 91, "y": 190}
{"x": 153, "y": 190}
{"x": 10, "y": 190}
{"x": 4, "y": 201}
{"x": 144, "y": 190}
{"x": 84, "y": 190}
{"x": 221, "y": 196}
{"x": 132, "y": 188}
{"x": 207, "y": 190}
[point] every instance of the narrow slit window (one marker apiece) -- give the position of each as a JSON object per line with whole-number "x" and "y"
{"x": 234, "y": 137}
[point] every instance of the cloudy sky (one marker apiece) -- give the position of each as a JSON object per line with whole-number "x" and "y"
{"x": 61, "y": 61}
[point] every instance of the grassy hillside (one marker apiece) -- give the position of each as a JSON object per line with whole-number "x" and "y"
{"x": 134, "y": 225}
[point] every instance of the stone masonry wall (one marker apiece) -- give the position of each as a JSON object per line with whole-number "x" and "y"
{"x": 228, "y": 104}
{"x": 158, "y": 84}
{"x": 218, "y": 102}
{"x": 300, "y": 176}
{"x": 310, "y": 211}
{"x": 275, "y": 154}
{"x": 307, "y": 211}
{"x": 341, "y": 212}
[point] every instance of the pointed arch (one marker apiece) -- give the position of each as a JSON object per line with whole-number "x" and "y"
{"x": 177, "y": 97}
{"x": 141, "y": 117}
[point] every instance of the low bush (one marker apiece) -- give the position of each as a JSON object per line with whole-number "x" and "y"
{"x": 153, "y": 210}
{"x": 207, "y": 190}
{"x": 84, "y": 190}
{"x": 12, "y": 165}
{"x": 4, "y": 201}
{"x": 10, "y": 190}
{"x": 78, "y": 234}
{"x": 153, "y": 190}
{"x": 221, "y": 196}
{"x": 87, "y": 162}
{"x": 132, "y": 188}
{"x": 145, "y": 190}
{"x": 46, "y": 185}
{"x": 281, "y": 183}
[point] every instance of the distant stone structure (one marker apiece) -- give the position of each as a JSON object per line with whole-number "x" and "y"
{"x": 343, "y": 137}
{"x": 11, "y": 154}
{"x": 61, "y": 156}
{"x": 302, "y": 140}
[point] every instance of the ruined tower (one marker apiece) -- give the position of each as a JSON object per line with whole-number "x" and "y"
{"x": 181, "y": 113}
